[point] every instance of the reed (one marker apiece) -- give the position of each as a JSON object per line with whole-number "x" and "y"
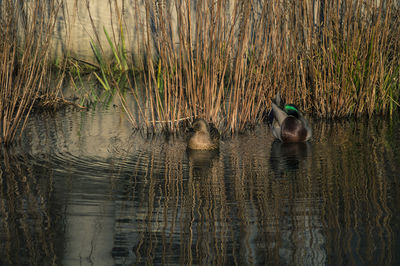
{"x": 24, "y": 63}
{"x": 228, "y": 59}
{"x": 212, "y": 70}
{"x": 221, "y": 60}
{"x": 355, "y": 62}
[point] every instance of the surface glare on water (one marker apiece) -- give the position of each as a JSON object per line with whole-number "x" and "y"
{"x": 82, "y": 189}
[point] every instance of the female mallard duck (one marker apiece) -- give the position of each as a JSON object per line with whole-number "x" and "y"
{"x": 204, "y": 137}
{"x": 288, "y": 123}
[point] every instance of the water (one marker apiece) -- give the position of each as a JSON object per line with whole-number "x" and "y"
{"x": 81, "y": 188}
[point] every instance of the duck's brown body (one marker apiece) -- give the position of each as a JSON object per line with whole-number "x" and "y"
{"x": 204, "y": 137}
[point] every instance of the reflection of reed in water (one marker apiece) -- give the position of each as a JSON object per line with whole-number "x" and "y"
{"x": 359, "y": 170}
{"x": 333, "y": 207}
{"x": 179, "y": 210}
{"x": 278, "y": 220}
{"x": 200, "y": 214}
{"x": 28, "y": 229}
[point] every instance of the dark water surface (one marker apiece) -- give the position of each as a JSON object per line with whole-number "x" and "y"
{"x": 82, "y": 189}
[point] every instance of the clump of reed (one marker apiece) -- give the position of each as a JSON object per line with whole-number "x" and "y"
{"x": 225, "y": 60}
{"x": 215, "y": 66}
{"x": 354, "y": 61}
{"x": 25, "y": 31}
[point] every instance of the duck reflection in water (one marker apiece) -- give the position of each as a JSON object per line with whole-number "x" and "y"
{"x": 206, "y": 201}
{"x": 202, "y": 161}
{"x": 287, "y": 156}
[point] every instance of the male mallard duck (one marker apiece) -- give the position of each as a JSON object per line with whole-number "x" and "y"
{"x": 204, "y": 137}
{"x": 288, "y": 123}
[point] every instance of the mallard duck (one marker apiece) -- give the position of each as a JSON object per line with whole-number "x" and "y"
{"x": 288, "y": 123}
{"x": 204, "y": 137}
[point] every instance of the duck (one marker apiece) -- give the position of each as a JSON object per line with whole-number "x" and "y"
{"x": 204, "y": 136}
{"x": 287, "y": 123}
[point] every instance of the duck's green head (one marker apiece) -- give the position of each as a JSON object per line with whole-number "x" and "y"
{"x": 291, "y": 109}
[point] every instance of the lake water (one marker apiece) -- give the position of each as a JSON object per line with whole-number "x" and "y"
{"x": 81, "y": 188}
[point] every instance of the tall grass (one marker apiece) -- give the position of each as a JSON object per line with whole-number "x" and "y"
{"x": 226, "y": 60}
{"x": 25, "y": 30}
{"x": 354, "y": 66}
{"x": 215, "y": 66}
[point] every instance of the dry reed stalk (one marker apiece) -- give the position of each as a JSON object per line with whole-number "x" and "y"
{"x": 24, "y": 71}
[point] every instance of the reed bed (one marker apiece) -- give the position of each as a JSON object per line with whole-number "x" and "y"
{"x": 25, "y": 30}
{"x": 226, "y": 60}
{"x": 214, "y": 66}
{"x": 220, "y": 60}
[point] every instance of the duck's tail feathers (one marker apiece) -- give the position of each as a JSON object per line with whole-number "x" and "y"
{"x": 271, "y": 114}
{"x": 277, "y": 99}
{"x": 279, "y": 114}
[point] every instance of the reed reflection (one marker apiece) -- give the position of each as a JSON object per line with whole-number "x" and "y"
{"x": 289, "y": 204}
{"x": 358, "y": 192}
{"x": 280, "y": 218}
{"x": 333, "y": 201}
{"x": 29, "y": 230}
{"x": 178, "y": 206}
